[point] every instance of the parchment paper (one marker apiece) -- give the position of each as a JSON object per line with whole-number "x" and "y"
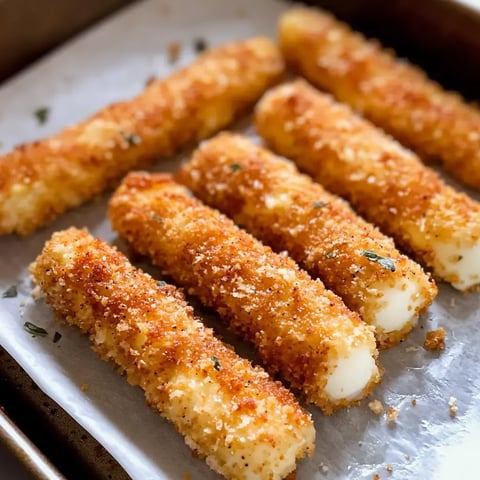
{"x": 112, "y": 62}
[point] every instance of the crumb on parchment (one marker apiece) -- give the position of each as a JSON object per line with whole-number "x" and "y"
{"x": 435, "y": 340}
{"x": 389, "y": 468}
{"x": 173, "y": 51}
{"x": 392, "y": 415}
{"x": 84, "y": 387}
{"x": 414, "y": 402}
{"x": 452, "y": 402}
{"x": 376, "y": 476}
{"x": 376, "y": 406}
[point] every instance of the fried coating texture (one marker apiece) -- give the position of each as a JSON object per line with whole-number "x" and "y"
{"x": 41, "y": 180}
{"x": 383, "y": 181}
{"x": 393, "y": 94}
{"x": 300, "y": 329}
{"x": 245, "y": 425}
{"x": 286, "y": 210}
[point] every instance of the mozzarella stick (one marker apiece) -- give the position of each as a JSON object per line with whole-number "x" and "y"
{"x": 301, "y": 330}
{"x": 384, "y": 182}
{"x": 41, "y": 180}
{"x": 245, "y": 425}
{"x": 287, "y": 211}
{"x": 392, "y": 93}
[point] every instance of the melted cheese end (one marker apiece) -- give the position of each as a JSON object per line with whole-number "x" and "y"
{"x": 352, "y": 374}
{"x": 400, "y": 305}
{"x": 462, "y": 264}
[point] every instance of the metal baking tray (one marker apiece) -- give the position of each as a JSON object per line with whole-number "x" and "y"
{"x": 352, "y": 444}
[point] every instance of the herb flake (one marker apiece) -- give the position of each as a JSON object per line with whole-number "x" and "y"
{"x": 161, "y": 283}
{"x": 10, "y": 292}
{"x": 330, "y": 255}
{"x": 131, "y": 138}
{"x": 42, "y": 114}
{"x": 216, "y": 363}
{"x": 56, "y": 337}
{"x": 319, "y": 204}
{"x": 200, "y": 45}
{"x": 385, "y": 262}
{"x": 157, "y": 218}
{"x": 34, "y": 330}
{"x": 235, "y": 167}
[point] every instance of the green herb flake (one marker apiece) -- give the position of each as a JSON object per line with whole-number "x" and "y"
{"x": 42, "y": 115}
{"x": 385, "y": 262}
{"x": 161, "y": 283}
{"x": 10, "y": 292}
{"x": 319, "y": 204}
{"x": 131, "y": 138}
{"x": 216, "y": 363}
{"x": 157, "y": 218}
{"x": 56, "y": 337}
{"x": 34, "y": 330}
{"x": 330, "y": 255}
{"x": 235, "y": 167}
{"x": 200, "y": 45}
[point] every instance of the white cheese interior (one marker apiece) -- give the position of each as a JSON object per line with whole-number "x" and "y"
{"x": 352, "y": 374}
{"x": 399, "y": 304}
{"x": 463, "y": 262}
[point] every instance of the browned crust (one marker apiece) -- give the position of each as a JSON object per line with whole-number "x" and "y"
{"x": 392, "y": 93}
{"x": 287, "y": 211}
{"x": 150, "y": 332}
{"x": 41, "y": 180}
{"x": 384, "y": 182}
{"x": 298, "y": 327}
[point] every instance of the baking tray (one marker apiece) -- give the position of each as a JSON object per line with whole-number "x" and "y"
{"x": 105, "y": 65}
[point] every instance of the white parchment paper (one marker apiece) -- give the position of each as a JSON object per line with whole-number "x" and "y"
{"x": 112, "y": 62}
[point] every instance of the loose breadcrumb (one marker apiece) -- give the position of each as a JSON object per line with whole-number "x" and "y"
{"x": 435, "y": 340}
{"x": 376, "y": 406}
{"x": 392, "y": 415}
{"x": 411, "y": 348}
{"x": 414, "y": 402}
{"x": 452, "y": 402}
{"x": 84, "y": 387}
{"x": 389, "y": 468}
{"x": 376, "y": 476}
{"x": 173, "y": 51}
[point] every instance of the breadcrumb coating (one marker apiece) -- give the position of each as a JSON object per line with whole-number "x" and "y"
{"x": 392, "y": 93}
{"x": 286, "y": 210}
{"x": 41, "y": 180}
{"x": 300, "y": 329}
{"x": 383, "y": 181}
{"x": 245, "y": 425}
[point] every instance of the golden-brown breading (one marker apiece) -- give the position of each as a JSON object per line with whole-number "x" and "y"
{"x": 383, "y": 181}
{"x": 390, "y": 92}
{"x": 39, "y": 181}
{"x": 300, "y": 329}
{"x": 246, "y": 425}
{"x": 286, "y": 210}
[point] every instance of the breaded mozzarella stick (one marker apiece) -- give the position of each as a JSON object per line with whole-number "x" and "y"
{"x": 246, "y": 425}
{"x": 41, "y": 180}
{"x": 393, "y": 94}
{"x": 300, "y": 329}
{"x": 383, "y": 181}
{"x": 287, "y": 211}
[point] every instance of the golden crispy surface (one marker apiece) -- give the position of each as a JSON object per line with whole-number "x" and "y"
{"x": 243, "y": 422}
{"x": 300, "y": 329}
{"x": 286, "y": 210}
{"x": 392, "y": 93}
{"x": 385, "y": 183}
{"x": 41, "y": 180}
